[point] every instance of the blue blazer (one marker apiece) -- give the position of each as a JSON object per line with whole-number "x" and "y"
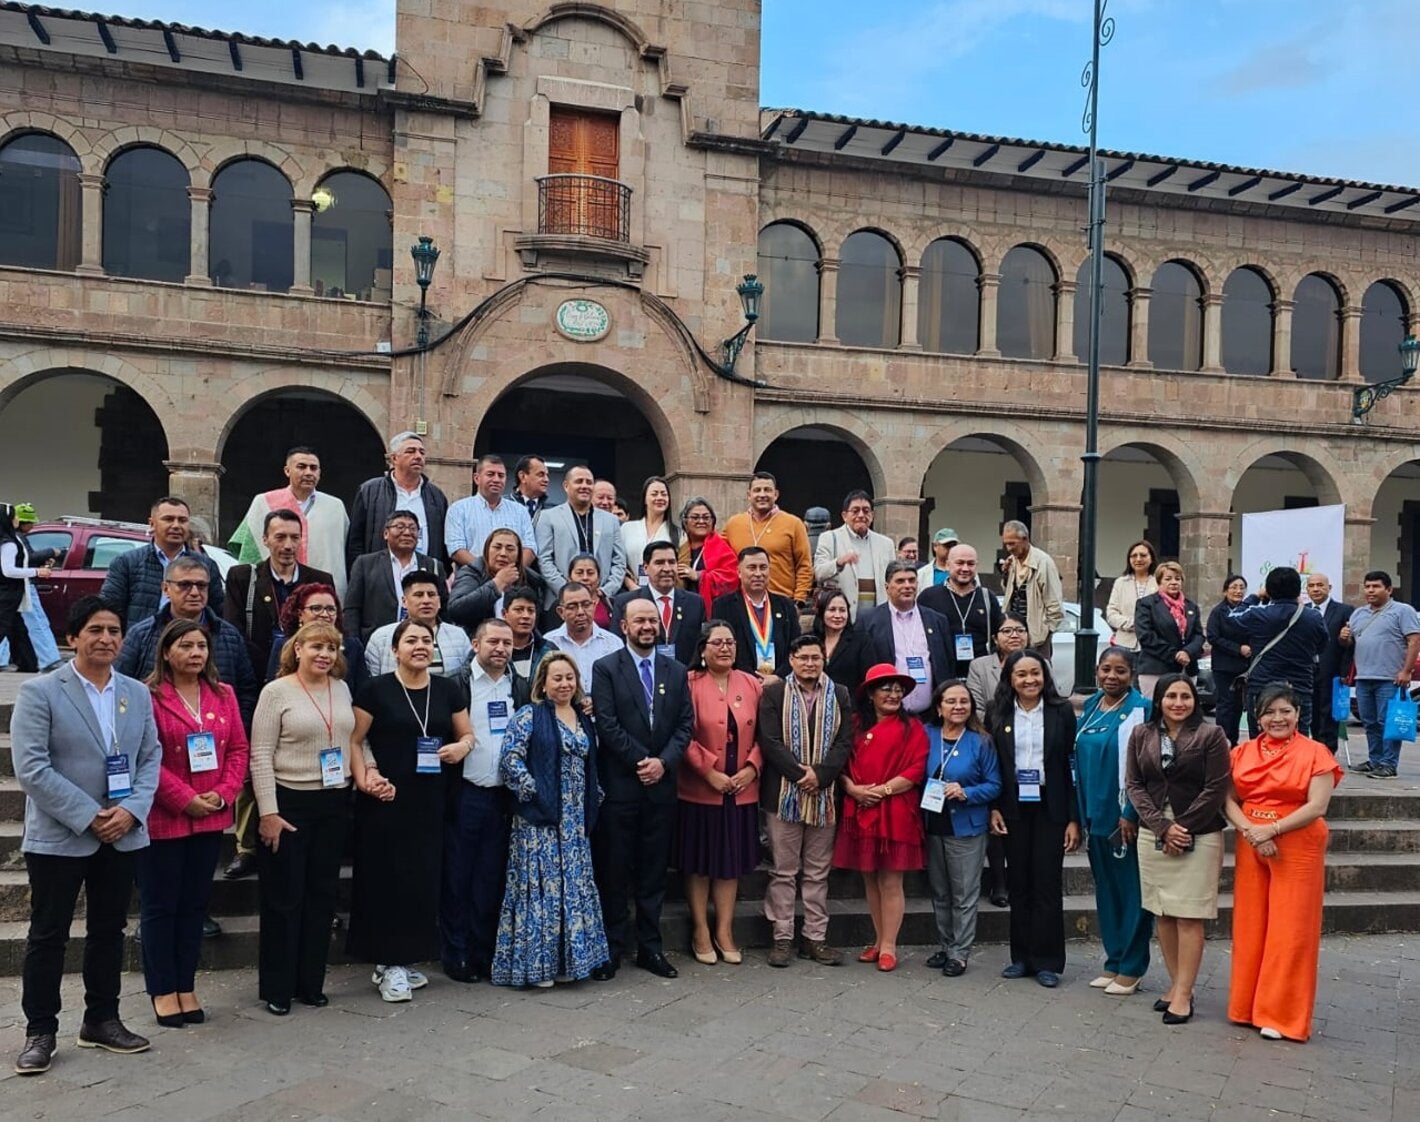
{"x": 973, "y": 764}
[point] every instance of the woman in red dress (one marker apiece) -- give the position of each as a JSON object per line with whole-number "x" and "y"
{"x": 880, "y": 832}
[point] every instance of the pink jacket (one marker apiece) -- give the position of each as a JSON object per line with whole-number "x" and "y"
{"x": 710, "y": 735}
{"x": 177, "y": 785}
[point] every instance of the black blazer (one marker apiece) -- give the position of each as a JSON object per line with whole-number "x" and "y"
{"x": 1159, "y": 639}
{"x": 1227, "y": 653}
{"x": 731, "y": 608}
{"x": 372, "y": 600}
{"x": 1059, "y": 794}
{"x": 1335, "y": 659}
{"x": 263, "y": 621}
{"x": 687, "y": 617}
{"x": 849, "y": 662}
{"x": 627, "y": 734}
{"x": 876, "y": 626}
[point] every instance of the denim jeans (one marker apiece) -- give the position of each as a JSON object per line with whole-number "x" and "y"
{"x": 1372, "y": 694}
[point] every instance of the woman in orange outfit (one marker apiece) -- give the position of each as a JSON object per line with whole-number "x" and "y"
{"x": 1282, "y": 783}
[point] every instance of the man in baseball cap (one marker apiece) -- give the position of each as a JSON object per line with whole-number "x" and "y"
{"x": 935, "y": 572}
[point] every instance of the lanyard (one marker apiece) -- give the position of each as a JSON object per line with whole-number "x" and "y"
{"x": 762, "y": 628}
{"x": 195, "y": 714}
{"x": 948, "y": 747}
{"x": 584, "y": 529}
{"x": 428, "y": 693}
{"x": 329, "y": 722}
{"x": 961, "y": 618}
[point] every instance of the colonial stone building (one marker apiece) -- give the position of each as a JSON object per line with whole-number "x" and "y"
{"x": 204, "y": 257}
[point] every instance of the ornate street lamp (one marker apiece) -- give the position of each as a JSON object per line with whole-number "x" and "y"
{"x": 1365, "y": 398}
{"x": 750, "y": 290}
{"x": 426, "y": 256}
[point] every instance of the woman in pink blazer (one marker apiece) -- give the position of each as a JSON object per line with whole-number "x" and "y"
{"x": 718, "y": 786}
{"x": 204, "y": 763}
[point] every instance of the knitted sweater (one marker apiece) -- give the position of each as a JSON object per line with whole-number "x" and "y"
{"x": 288, "y": 734}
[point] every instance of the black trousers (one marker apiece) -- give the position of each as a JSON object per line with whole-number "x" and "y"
{"x": 1035, "y": 861}
{"x": 1227, "y": 709}
{"x": 174, "y": 885}
{"x": 476, "y": 829}
{"x": 1323, "y": 723}
{"x": 12, "y": 627}
{"x": 107, "y": 879}
{"x": 631, "y": 847}
{"x": 299, "y": 885}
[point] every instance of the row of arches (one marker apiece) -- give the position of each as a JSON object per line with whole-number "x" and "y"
{"x": 956, "y": 304}
{"x": 246, "y": 221}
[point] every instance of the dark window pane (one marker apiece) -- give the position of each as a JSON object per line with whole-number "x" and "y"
{"x": 1176, "y": 318}
{"x": 1384, "y": 319}
{"x": 788, "y": 268}
{"x": 1025, "y": 309}
{"x": 949, "y": 299}
{"x": 251, "y": 228}
{"x": 352, "y": 241}
{"x": 1316, "y": 335}
{"x": 1114, "y": 313}
{"x": 869, "y": 292}
{"x": 147, "y": 216}
{"x": 40, "y": 208}
{"x": 1247, "y": 324}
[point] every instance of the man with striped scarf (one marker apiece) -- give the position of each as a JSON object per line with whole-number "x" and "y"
{"x": 805, "y": 734}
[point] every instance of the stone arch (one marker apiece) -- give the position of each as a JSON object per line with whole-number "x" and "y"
{"x": 227, "y": 150}
{"x": 1189, "y": 475}
{"x": 1015, "y": 440}
{"x": 244, "y": 393}
{"x": 12, "y": 124}
{"x": 1049, "y": 253}
{"x": 926, "y": 238}
{"x": 855, "y": 430}
{"x": 28, "y": 367}
{"x": 882, "y": 232}
{"x": 120, "y": 140}
{"x": 580, "y": 9}
{"x": 1313, "y": 461}
{"x": 798, "y": 223}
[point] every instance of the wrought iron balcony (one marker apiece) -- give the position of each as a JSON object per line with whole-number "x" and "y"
{"x": 588, "y": 206}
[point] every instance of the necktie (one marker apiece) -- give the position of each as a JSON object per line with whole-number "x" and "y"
{"x": 666, "y": 613}
{"x": 646, "y": 680}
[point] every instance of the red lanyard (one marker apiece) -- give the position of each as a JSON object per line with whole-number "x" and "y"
{"x": 329, "y": 722}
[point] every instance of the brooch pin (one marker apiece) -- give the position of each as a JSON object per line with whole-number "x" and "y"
{"x": 123, "y": 705}
{"x": 660, "y": 689}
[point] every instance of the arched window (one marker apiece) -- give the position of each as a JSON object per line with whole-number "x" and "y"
{"x": 1025, "y": 308}
{"x": 147, "y": 216}
{"x": 1247, "y": 323}
{"x": 1114, "y": 313}
{"x": 1385, "y": 317}
{"x": 352, "y": 239}
{"x": 40, "y": 210}
{"x": 1176, "y": 318}
{"x": 788, "y": 267}
{"x": 869, "y": 292}
{"x": 1316, "y": 328}
{"x": 251, "y": 231}
{"x": 949, "y": 299}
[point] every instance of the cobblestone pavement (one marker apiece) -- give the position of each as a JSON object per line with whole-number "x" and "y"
{"x": 845, "y": 1044}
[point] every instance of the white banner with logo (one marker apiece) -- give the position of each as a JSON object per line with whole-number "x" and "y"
{"x": 1310, "y": 540}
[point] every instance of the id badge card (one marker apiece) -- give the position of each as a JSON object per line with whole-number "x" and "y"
{"x": 120, "y": 779}
{"x": 332, "y": 768}
{"x": 667, "y": 649}
{"x": 965, "y": 648}
{"x": 201, "y": 752}
{"x": 934, "y": 795}
{"x": 641, "y": 578}
{"x": 498, "y": 717}
{"x": 426, "y": 759}
{"x": 1028, "y": 784}
{"x": 917, "y": 668}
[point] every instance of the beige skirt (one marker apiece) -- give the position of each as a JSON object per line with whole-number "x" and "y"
{"x": 1184, "y": 887}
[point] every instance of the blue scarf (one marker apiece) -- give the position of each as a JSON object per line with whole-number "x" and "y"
{"x": 544, "y": 763}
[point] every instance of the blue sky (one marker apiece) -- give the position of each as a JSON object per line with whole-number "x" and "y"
{"x": 1312, "y": 86}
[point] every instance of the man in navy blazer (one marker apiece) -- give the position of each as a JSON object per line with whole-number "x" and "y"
{"x": 911, "y": 637}
{"x": 686, "y": 610}
{"x": 778, "y": 613}
{"x": 1334, "y": 660}
{"x": 641, "y": 700}
{"x": 86, "y": 754}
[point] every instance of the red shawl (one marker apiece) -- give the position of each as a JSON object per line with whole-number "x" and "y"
{"x": 719, "y": 568}
{"x": 889, "y": 749}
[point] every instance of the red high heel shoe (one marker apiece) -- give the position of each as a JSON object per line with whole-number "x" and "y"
{"x": 868, "y": 954}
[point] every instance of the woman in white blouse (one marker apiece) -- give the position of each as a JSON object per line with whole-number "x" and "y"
{"x": 656, "y": 526}
{"x": 1136, "y": 583}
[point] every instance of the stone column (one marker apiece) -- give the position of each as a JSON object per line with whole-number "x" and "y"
{"x": 1055, "y": 528}
{"x": 897, "y": 517}
{"x": 302, "y": 209}
{"x": 197, "y": 483}
{"x": 91, "y": 242}
{"x": 201, "y": 202}
{"x": 1203, "y": 553}
{"x": 990, "y": 285}
{"x": 1213, "y": 333}
{"x": 828, "y": 301}
{"x": 1139, "y": 328}
{"x": 911, "y": 276}
{"x": 1065, "y": 320}
{"x": 1356, "y": 557}
{"x": 1351, "y": 344}
{"x": 1282, "y": 338}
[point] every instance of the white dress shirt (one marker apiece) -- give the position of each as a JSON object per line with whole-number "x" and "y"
{"x": 1030, "y": 739}
{"x": 480, "y": 766}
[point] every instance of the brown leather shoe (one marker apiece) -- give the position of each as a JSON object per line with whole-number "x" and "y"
{"x": 782, "y": 953}
{"x": 34, "y": 1057}
{"x": 111, "y": 1036}
{"x": 820, "y": 952}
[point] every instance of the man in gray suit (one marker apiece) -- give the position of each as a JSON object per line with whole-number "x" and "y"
{"x": 86, "y": 755}
{"x": 578, "y": 527}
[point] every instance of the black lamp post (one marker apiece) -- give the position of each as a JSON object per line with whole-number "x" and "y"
{"x": 1365, "y": 398}
{"x": 426, "y": 256}
{"x": 751, "y": 291}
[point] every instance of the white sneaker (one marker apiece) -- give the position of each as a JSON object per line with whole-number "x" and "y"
{"x": 394, "y": 983}
{"x": 1270, "y": 1033}
{"x": 417, "y": 979}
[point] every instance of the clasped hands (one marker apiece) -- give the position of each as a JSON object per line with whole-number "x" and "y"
{"x": 375, "y": 785}
{"x": 111, "y": 824}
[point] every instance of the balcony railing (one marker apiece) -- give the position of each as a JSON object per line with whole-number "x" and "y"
{"x": 589, "y": 206}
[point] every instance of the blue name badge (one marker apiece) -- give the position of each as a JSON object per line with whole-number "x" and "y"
{"x": 1028, "y": 784}
{"x": 667, "y": 649}
{"x": 498, "y": 717}
{"x": 332, "y": 768}
{"x": 120, "y": 779}
{"x": 201, "y": 752}
{"x": 965, "y": 648}
{"x": 934, "y": 795}
{"x": 917, "y": 668}
{"x": 426, "y": 759}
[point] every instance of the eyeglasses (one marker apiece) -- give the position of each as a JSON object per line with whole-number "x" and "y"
{"x": 1011, "y": 631}
{"x": 698, "y": 518}
{"x": 320, "y": 609}
{"x": 188, "y": 585}
{"x": 719, "y": 642}
{"x": 891, "y": 687}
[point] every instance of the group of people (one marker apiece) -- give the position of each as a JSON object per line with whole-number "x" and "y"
{"x": 512, "y": 794}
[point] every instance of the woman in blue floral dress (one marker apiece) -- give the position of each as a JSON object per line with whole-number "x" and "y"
{"x": 550, "y": 928}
